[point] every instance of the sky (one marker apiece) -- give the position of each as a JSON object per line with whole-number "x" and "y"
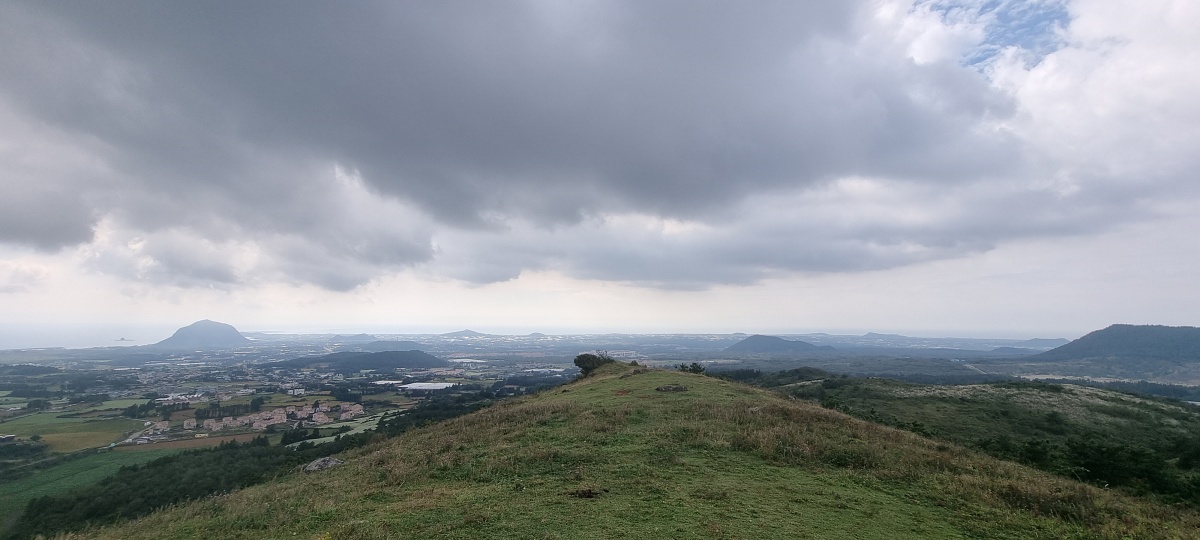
{"x": 991, "y": 168}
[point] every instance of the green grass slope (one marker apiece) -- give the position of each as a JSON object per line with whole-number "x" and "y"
{"x": 1140, "y": 444}
{"x": 611, "y": 457}
{"x": 1017, "y": 410}
{"x": 14, "y": 495}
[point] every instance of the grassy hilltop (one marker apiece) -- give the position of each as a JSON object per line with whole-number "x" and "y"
{"x": 610, "y": 457}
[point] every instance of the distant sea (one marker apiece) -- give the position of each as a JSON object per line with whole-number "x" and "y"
{"x": 28, "y": 336}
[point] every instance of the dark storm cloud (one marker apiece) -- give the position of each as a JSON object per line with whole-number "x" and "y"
{"x": 218, "y": 126}
{"x": 44, "y": 216}
{"x": 774, "y": 235}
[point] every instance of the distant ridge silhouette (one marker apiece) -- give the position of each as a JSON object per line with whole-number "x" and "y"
{"x": 464, "y": 333}
{"x": 1181, "y": 343}
{"x": 204, "y": 334}
{"x": 770, "y": 344}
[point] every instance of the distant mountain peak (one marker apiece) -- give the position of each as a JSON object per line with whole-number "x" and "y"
{"x": 464, "y": 333}
{"x": 771, "y": 344}
{"x": 204, "y": 334}
{"x": 359, "y": 338}
{"x": 1133, "y": 341}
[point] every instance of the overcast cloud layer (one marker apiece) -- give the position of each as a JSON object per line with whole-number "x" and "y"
{"x": 675, "y": 145}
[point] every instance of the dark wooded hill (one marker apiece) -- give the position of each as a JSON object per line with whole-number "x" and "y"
{"x": 1179, "y": 343}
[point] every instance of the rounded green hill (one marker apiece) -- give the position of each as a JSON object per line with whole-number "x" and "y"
{"x": 610, "y": 456}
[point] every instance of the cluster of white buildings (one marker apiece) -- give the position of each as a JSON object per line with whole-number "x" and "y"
{"x": 351, "y": 411}
{"x": 174, "y": 399}
{"x": 423, "y": 386}
{"x": 322, "y": 414}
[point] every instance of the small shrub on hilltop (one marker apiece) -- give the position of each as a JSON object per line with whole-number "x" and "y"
{"x": 588, "y": 362}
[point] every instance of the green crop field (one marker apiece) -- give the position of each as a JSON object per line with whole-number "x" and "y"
{"x": 188, "y": 444}
{"x": 66, "y": 476}
{"x": 70, "y": 434}
{"x": 357, "y": 425}
{"x": 13, "y": 401}
{"x": 116, "y": 404}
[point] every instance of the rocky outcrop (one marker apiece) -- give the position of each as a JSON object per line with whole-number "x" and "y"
{"x": 322, "y": 464}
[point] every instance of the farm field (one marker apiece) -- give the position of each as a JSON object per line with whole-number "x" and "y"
{"x": 115, "y": 404}
{"x": 8, "y": 401}
{"x": 66, "y": 476}
{"x": 356, "y": 426}
{"x": 70, "y": 434}
{"x": 187, "y": 444}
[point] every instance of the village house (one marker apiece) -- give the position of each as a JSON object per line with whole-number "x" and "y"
{"x": 350, "y": 411}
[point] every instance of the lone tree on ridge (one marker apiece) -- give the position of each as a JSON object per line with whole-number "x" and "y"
{"x": 588, "y": 362}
